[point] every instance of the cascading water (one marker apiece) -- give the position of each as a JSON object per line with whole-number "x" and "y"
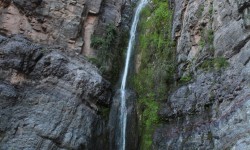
{"x": 123, "y": 108}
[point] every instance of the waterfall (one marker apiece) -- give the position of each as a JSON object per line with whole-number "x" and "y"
{"x": 123, "y": 108}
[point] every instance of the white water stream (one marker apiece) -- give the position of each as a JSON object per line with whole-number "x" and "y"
{"x": 123, "y": 108}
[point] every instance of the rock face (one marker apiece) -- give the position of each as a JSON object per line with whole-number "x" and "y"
{"x": 64, "y": 23}
{"x": 49, "y": 98}
{"x": 132, "y": 131}
{"x": 44, "y": 21}
{"x": 52, "y": 98}
{"x": 212, "y": 110}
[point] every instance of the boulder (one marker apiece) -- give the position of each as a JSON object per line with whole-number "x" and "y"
{"x": 49, "y": 99}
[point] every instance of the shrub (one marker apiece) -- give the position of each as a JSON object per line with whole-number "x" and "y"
{"x": 157, "y": 68}
{"x": 200, "y": 11}
{"x": 186, "y": 78}
{"x": 109, "y": 47}
{"x": 214, "y": 64}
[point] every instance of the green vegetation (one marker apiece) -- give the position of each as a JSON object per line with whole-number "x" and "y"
{"x": 214, "y": 64}
{"x": 186, "y": 78}
{"x": 206, "y": 43}
{"x": 210, "y": 136}
{"x": 104, "y": 46}
{"x": 157, "y": 69}
{"x": 103, "y": 111}
{"x": 207, "y": 39}
{"x": 210, "y": 36}
{"x": 207, "y": 34}
{"x": 109, "y": 47}
{"x": 44, "y": 50}
{"x": 200, "y": 11}
{"x": 210, "y": 39}
{"x": 202, "y": 43}
{"x": 211, "y": 9}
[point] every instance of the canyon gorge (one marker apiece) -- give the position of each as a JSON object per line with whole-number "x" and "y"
{"x": 61, "y": 66}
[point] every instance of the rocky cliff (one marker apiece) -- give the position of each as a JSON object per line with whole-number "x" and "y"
{"x": 68, "y": 23}
{"x": 211, "y": 109}
{"x": 192, "y": 73}
{"x": 51, "y": 97}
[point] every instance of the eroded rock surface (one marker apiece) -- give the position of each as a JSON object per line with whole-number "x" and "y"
{"x": 49, "y": 99}
{"x": 212, "y": 110}
{"x": 59, "y": 22}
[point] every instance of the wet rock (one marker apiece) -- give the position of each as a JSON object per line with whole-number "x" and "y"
{"x": 132, "y": 139}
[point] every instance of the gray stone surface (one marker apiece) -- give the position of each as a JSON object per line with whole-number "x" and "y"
{"x": 49, "y": 98}
{"x": 45, "y": 21}
{"x": 94, "y": 6}
{"x": 246, "y": 16}
{"x": 132, "y": 131}
{"x": 212, "y": 110}
{"x": 61, "y": 22}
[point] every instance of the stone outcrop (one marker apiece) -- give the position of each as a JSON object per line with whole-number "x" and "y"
{"x": 116, "y": 13}
{"x": 49, "y": 98}
{"x": 212, "y": 110}
{"x": 63, "y": 23}
{"x": 53, "y": 98}
{"x": 44, "y": 21}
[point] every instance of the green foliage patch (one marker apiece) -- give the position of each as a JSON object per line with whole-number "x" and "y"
{"x": 186, "y": 78}
{"x": 104, "y": 112}
{"x": 104, "y": 45}
{"x": 214, "y": 64}
{"x": 157, "y": 69}
{"x": 200, "y": 11}
{"x": 109, "y": 47}
{"x": 207, "y": 39}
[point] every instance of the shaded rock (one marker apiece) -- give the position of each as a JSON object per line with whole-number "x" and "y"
{"x": 27, "y": 5}
{"x": 94, "y": 6}
{"x": 115, "y": 128}
{"x": 49, "y": 100}
{"x": 242, "y": 4}
{"x": 5, "y": 3}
